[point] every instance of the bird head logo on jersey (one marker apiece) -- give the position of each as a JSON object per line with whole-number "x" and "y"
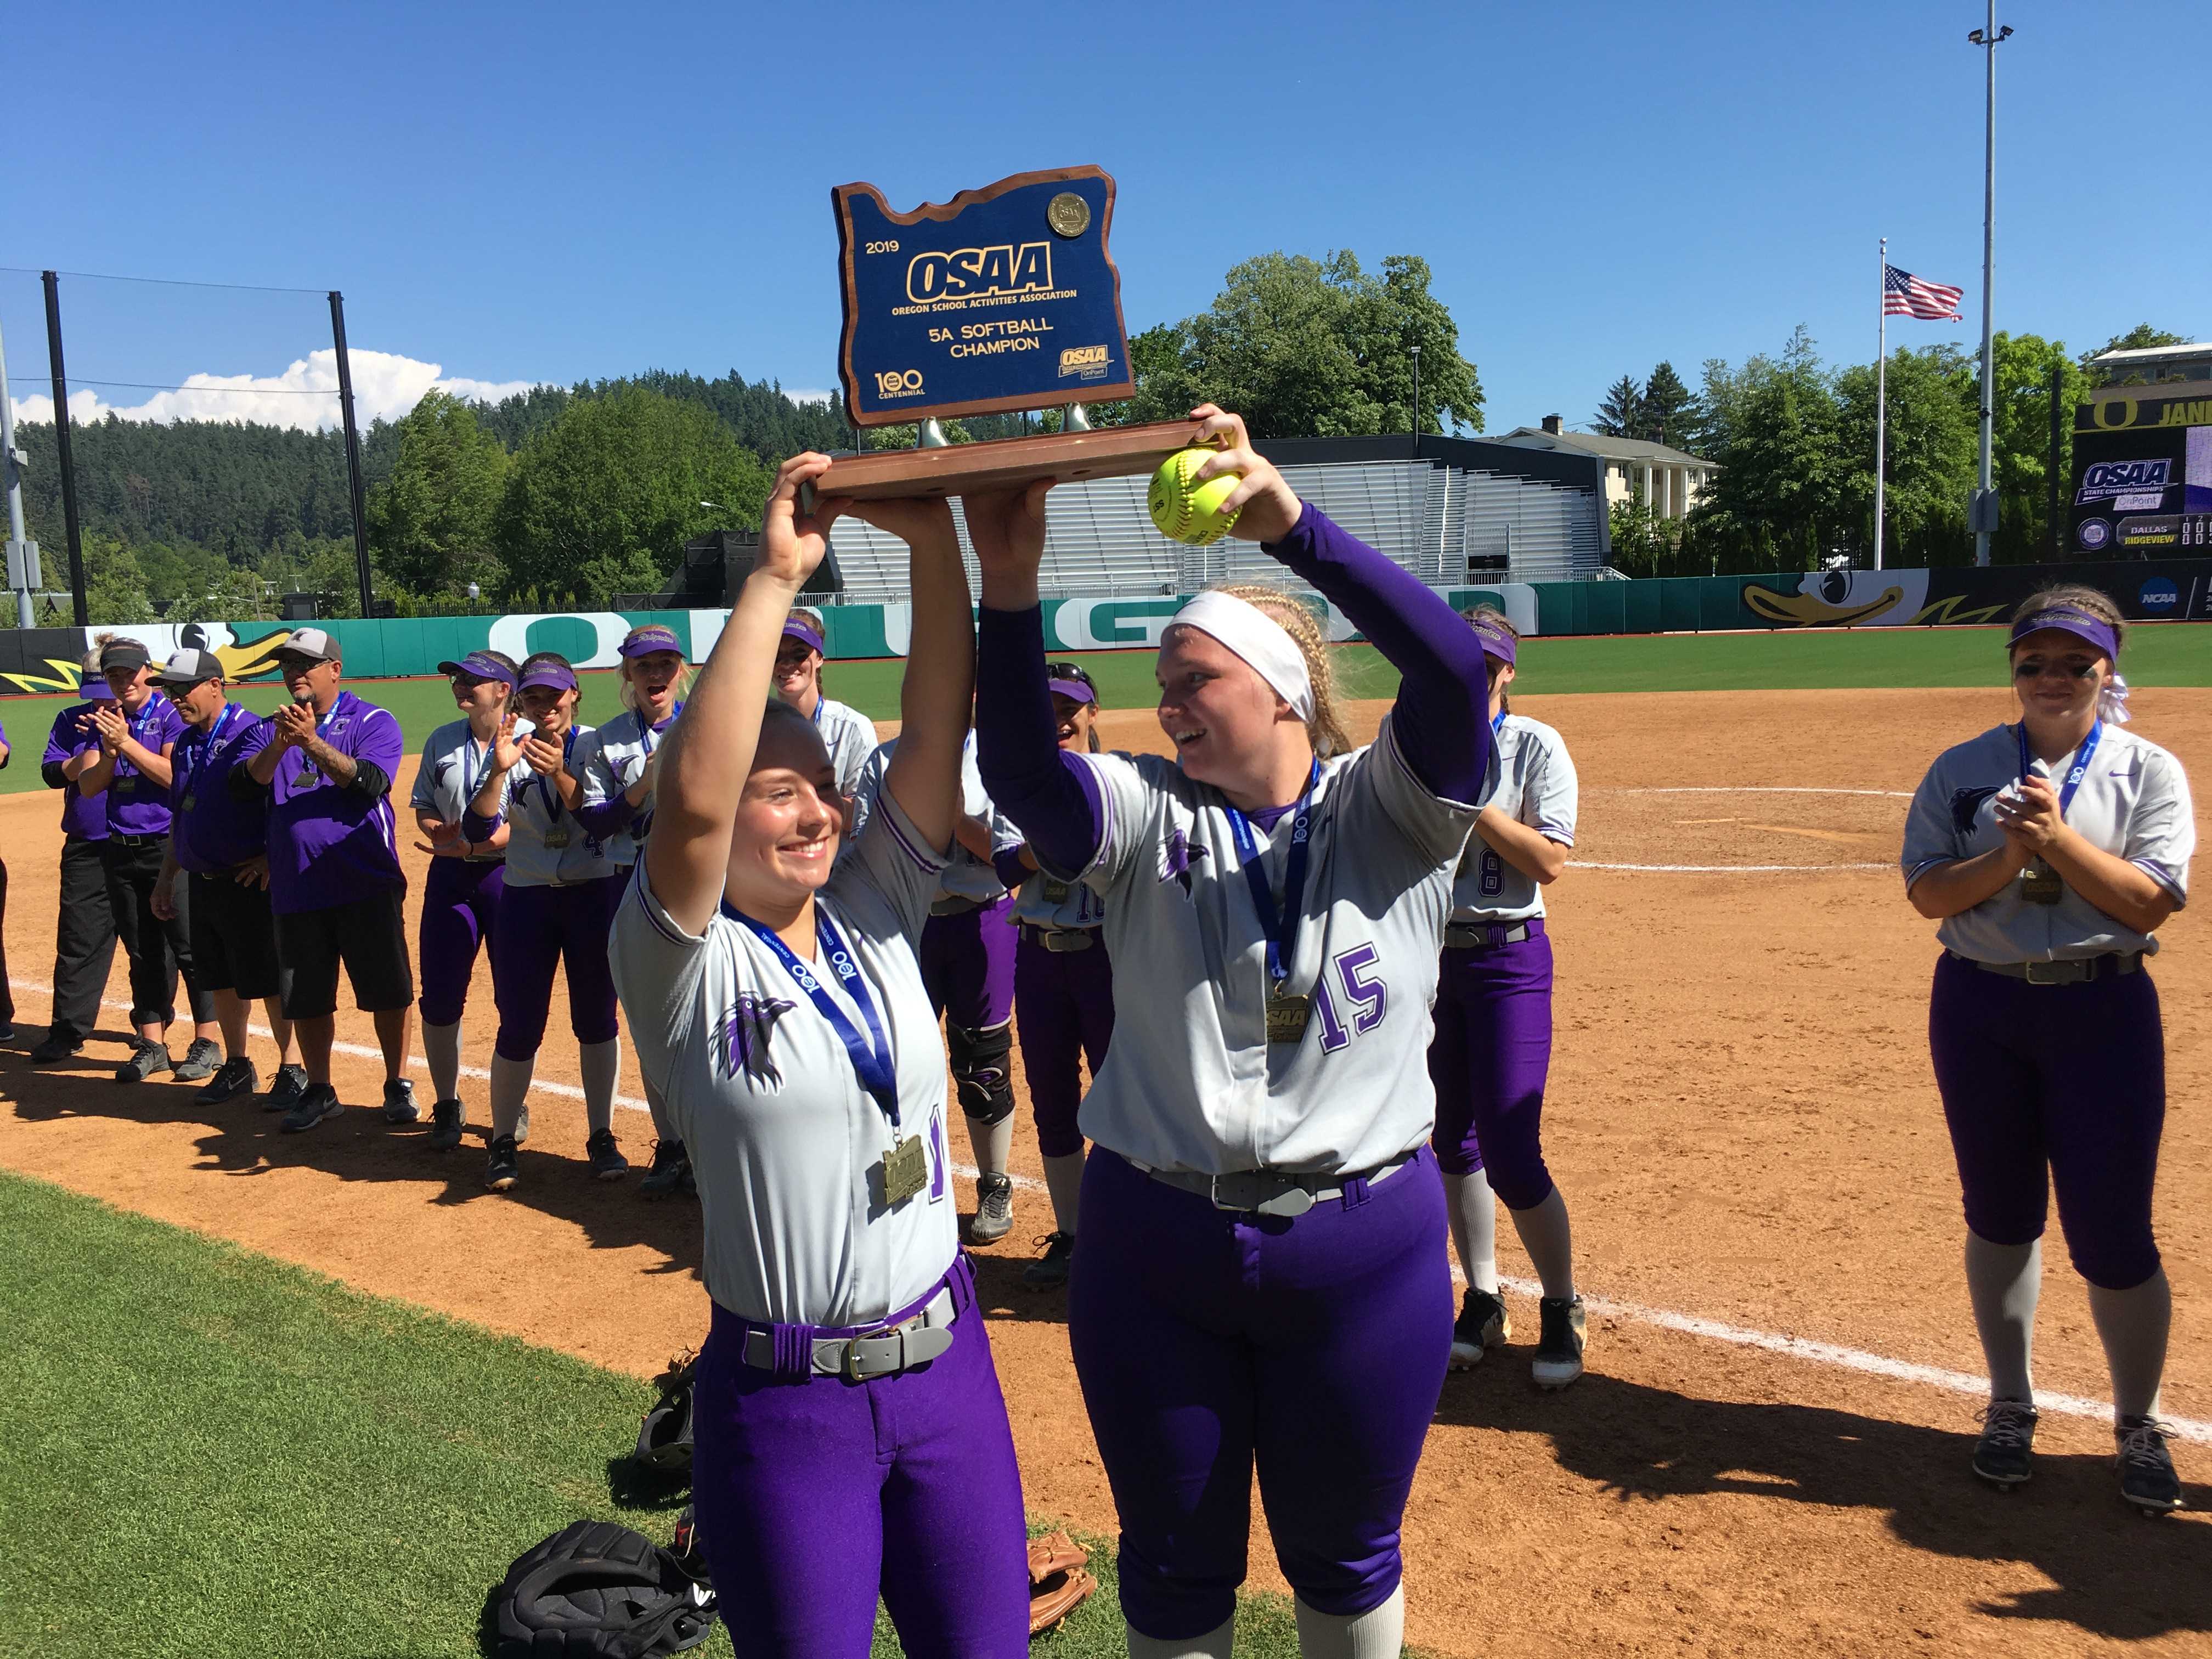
{"x": 1176, "y": 859}
{"x": 745, "y": 1032}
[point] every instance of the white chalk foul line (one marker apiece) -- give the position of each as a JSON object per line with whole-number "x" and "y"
{"x": 1749, "y": 789}
{"x": 1726, "y": 869}
{"x": 1831, "y": 1354}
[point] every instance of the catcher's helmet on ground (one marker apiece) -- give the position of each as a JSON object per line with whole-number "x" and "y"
{"x": 596, "y": 1590}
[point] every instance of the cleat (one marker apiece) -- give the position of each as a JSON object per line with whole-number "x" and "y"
{"x": 671, "y": 1169}
{"x": 994, "y": 1209}
{"x": 399, "y": 1107}
{"x": 448, "y": 1122}
{"x": 200, "y": 1061}
{"x": 1049, "y": 1271}
{"x": 146, "y": 1060}
{"x": 1483, "y": 1323}
{"x": 503, "y": 1168}
{"x": 2146, "y": 1476}
{"x": 319, "y": 1101}
{"x": 286, "y": 1088}
{"x": 236, "y": 1078}
{"x": 2005, "y": 1455}
{"x": 607, "y": 1161}
{"x": 1559, "y": 1345}
{"x": 52, "y": 1049}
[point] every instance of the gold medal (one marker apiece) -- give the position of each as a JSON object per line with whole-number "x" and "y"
{"x": 906, "y": 1171}
{"x": 1055, "y": 892}
{"x": 1068, "y": 214}
{"x": 2041, "y": 884}
{"x": 187, "y": 803}
{"x": 556, "y": 839}
{"x": 1287, "y": 1016}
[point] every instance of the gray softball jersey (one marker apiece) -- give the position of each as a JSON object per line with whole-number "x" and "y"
{"x": 533, "y": 810}
{"x": 452, "y": 767}
{"x": 1191, "y": 1082}
{"x": 786, "y": 1144}
{"x": 1532, "y": 780}
{"x": 850, "y": 736}
{"x": 966, "y": 876}
{"x": 607, "y": 763}
{"x": 2133, "y": 802}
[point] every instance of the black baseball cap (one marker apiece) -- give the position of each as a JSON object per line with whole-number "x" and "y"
{"x": 124, "y": 654}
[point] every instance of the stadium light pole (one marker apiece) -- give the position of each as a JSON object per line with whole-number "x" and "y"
{"x": 1985, "y": 501}
{"x": 1417, "y": 401}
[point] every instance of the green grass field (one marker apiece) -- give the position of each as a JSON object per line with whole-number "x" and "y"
{"x": 206, "y": 1451}
{"x": 1782, "y": 660}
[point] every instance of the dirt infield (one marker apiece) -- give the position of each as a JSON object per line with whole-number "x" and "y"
{"x": 1744, "y": 1124}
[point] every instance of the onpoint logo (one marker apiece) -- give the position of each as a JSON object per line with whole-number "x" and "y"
{"x": 972, "y": 272}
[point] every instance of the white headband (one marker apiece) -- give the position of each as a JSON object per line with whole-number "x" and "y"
{"x": 1259, "y": 639}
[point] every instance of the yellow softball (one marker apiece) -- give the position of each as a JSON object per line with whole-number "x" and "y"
{"x": 1186, "y": 511}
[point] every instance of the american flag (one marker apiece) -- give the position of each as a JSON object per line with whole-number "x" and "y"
{"x": 1904, "y": 294}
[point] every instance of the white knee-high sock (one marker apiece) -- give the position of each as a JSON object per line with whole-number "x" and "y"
{"x": 1214, "y": 1645}
{"x": 601, "y": 1065}
{"x": 2132, "y": 1325}
{"x": 510, "y": 1088}
{"x": 992, "y": 1144}
{"x": 1063, "y": 1179}
{"x": 441, "y": 1053}
{"x": 1550, "y": 1243}
{"x": 1377, "y": 1633}
{"x": 2004, "y": 1282}
{"x": 1473, "y": 1214}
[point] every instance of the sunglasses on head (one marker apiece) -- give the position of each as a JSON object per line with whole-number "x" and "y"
{"x": 2034, "y": 668}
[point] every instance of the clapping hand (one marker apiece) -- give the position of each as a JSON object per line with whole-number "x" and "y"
{"x": 113, "y": 729}
{"x": 545, "y": 758}
{"x": 2028, "y": 814}
{"x": 506, "y": 751}
{"x": 295, "y": 723}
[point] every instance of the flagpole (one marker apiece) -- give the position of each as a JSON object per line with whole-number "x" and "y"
{"x": 1881, "y": 402}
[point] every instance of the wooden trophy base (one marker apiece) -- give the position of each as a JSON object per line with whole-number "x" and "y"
{"x": 1116, "y": 452}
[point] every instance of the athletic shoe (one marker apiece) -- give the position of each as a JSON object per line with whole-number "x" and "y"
{"x": 607, "y": 1161}
{"x": 671, "y": 1166}
{"x": 994, "y": 1209}
{"x": 146, "y": 1060}
{"x": 1483, "y": 1323}
{"x": 319, "y": 1101}
{"x": 503, "y": 1168}
{"x": 237, "y": 1077}
{"x": 8, "y": 1032}
{"x": 200, "y": 1061}
{"x": 52, "y": 1048}
{"x": 286, "y": 1088}
{"x": 1560, "y": 1347}
{"x": 2005, "y": 1455}
{"x": 2146, "y": 1476}
{"x": 448, "y": 1122}
{"x": 399, "y": 1107}
{"x": 1049, "y": 1271}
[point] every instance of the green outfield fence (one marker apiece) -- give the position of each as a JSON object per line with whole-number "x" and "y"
{"x": 42, "y": 661}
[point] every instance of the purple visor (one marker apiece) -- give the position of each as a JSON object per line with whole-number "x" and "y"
{"x": 1496, "y": 642}
{"x": 557, "y": 677}
{"x": 96, "y": 687}
{"x": 478, "y": 665}
{"x": 797, "y": 629}
{"x": 2068, "y": 619}
{"x": 653, "y": 638}
{"x": 1074, "y": 690}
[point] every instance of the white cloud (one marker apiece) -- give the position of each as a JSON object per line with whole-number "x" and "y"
{"x": 306, "y": 395}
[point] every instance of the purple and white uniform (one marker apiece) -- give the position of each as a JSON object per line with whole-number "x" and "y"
{"x": 1063, "y": 997}
{"x": 460, "y": 899}
{"x": 815, "y": 1490}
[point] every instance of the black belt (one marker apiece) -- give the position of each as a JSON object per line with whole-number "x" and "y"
{"x": 1491, "y": 935}
{"x": 1060, "y": 940}
{"x": 116, "y": 838}
{"x": 955, "y": 905}
{"x": 2076, "y": 971}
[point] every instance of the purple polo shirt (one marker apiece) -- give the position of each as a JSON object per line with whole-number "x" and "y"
{"x": 327, "y": 846}
{"x": 81, "y": 816}
{"x": 214, "y": 830}
{"x": 136, "y": 806}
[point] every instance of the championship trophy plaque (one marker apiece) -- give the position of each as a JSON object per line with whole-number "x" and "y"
{"x": 1002, "y": 299}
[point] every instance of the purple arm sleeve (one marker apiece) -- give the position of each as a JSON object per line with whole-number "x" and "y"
{"x": 609, "y": 818}
{"x": 474, "y": 829}
{"x": 1048, "y": 794}
{"x": 1013, "y": 873}
{"x": 1442, "y": 718}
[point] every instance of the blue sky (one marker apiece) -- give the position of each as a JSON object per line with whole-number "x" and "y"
{"x": 553, "y": 191}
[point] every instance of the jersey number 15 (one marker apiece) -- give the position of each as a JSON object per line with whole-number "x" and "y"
{"x": 1367, "y": 997}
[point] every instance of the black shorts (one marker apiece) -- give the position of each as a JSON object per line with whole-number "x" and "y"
{"x": 368, "y": 935}
{"x": 234, "y": 937}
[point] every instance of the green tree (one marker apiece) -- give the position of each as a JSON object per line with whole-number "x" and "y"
{"x": 1930, "y": 447}
{"x": 115, "y": 588}
{"x": 617, "y": 475}
{"x": 1313, "y": 348}
{"x": 2020, "y": 443}
{"x": 2141, "y": 337}
{"x": 430, "y": 522}
{"x": 1621, "y": 414}
{"x": 1777, "y": 500}
{"x": 1664, "y": 407}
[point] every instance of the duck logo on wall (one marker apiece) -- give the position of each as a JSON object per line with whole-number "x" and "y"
{"x": 1840, "y": 598}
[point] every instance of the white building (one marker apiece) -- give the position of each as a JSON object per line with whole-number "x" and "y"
{"x": 1669, "y": 479}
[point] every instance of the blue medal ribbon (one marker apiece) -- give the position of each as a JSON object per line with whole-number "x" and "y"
{"x": 1280, "y": 927}
{"x": 551, "y": 799}
{"x": 194, "y": 758}
{"x": 2074, "y": 773}
{"x": 871, "y": 1056}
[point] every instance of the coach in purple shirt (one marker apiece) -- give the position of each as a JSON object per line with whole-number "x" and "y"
{"x": 334, "y": 877}
{"x": 137, "y": 733}
{"x": 84, "y": 928}
{"x": 7, "y": 997}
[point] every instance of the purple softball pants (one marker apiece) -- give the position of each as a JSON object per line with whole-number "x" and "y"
{"x": 2068, "y": 1079}
{"x": 460, "y": 911}
{"x": 537, "y": 929}
{"x": 814, "y": 1494}
{"x": 967, "y": 965}
{"x": 1208, "y": 1341}
{"x": 1063, "y": 1004}
{"x": 1489, "y": 1060}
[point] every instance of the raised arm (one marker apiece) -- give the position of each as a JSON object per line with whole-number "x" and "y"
{"x": 710, "y": 752}
{"x": 939, "y": 688}
{"x": 1442, "y": 724}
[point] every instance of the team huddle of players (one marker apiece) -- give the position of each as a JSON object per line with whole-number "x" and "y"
{"x": 1312, "y": 983}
